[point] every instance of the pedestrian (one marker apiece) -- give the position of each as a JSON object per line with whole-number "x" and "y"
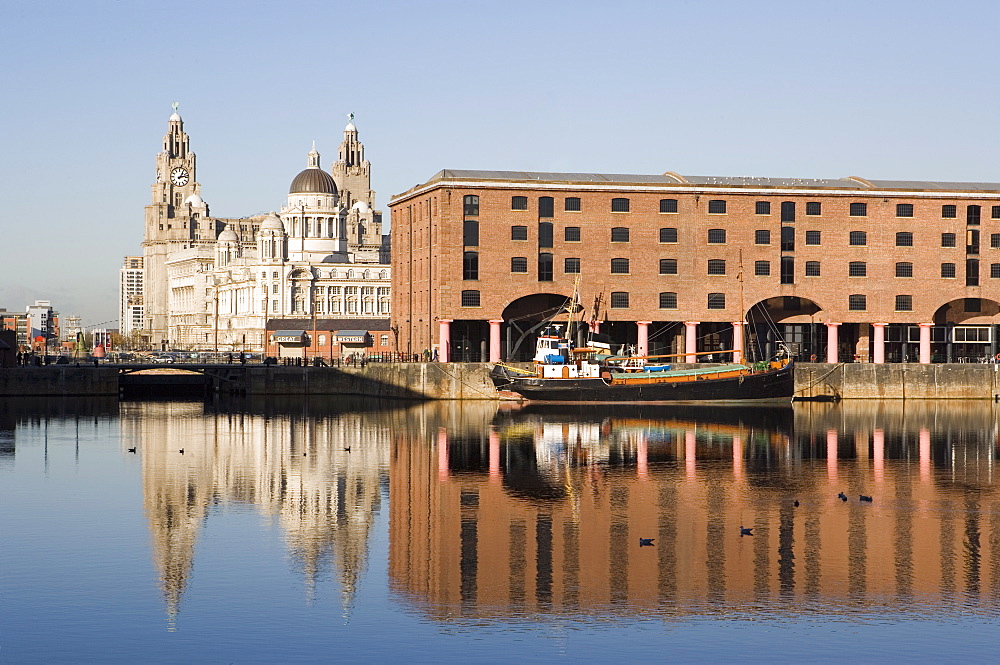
{"x": 435, "y": 356}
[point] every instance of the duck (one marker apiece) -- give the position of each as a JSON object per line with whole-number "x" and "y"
{"x": 866, "y": 499}
{"x": 746, "y": 531}
{"x": 646, "y": 542}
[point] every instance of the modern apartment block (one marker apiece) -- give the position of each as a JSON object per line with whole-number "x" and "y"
{"x": 839, "y": 269}
{"x": 130, "y": 295}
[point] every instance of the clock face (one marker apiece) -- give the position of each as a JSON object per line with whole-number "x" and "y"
{"x": 179, "y": 176}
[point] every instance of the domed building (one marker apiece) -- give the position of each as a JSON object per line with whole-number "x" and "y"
{"x": 221, "y": 283}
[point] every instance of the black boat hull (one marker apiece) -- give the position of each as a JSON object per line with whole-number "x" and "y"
{"x": 775, "y": 386}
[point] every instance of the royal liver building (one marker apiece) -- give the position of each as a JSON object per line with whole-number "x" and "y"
{"x": 214, "y": 282}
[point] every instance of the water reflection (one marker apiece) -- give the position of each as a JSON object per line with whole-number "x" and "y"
{"x": 505, "y": 512}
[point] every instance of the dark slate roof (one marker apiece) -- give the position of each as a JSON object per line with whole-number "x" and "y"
{"x": 328, "y": 324}
{"x": 313, "y": 181}
{"x": 670, "y": 178}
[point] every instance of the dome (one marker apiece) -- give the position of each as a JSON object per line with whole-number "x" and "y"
{"x": 361, "y": 207}
{"x": 228, "y": 236}
{"x": 313, "y": 181}
{"x": 350, "y": 127}
{"x": 272, "y": 223}
{"x": 194, "y": 200}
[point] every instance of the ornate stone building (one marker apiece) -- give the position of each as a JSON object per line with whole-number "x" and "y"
{"x": 212, "y": 283}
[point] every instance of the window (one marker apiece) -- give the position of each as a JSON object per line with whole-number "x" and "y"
{"x": 904, "y": 210}
{"x": 546, "y": 206}
{"x": 857, "y": 269}
{"x": 787, "y": 270}
{"x": 619, "y": 234}
{"x": 383, "y": 340}
{"x": 947, "y": 239}
{"x": 545, "y": 267}
{"x": 668, "y": 300}
{"x": 904, "y": 269}
{"x": 668, "y": 205}
{"x": 995, "y": 212}
{"x": 787, "y": 239}
{"x": 857, "y": 302}
{"x": 716, "y": 300}
{"x": 859, "y": 238}
{"x": 619, "y": 266}
{"x": 904, "y": 303}
{"x": 972, "y": 272}
{"x": 788, "y": 211}
{"x": 717, "y": 207}
{"x": 545, "y": 234}
{"x": 812, "y": 237}
{"x": 572, "y": 204}
{"x": 973, "y": 305}
{"x": 949, "y": 211}
{"x": 716, "y": 266}
{"x": 470, "y": 206}
{"x": 470, "y": 233}
{"x": 572, "y": 234}
{"x": 995, "y": 270}
{"x": 668, "y": 266}
{"x": 619, "y": 299}
{"x": 571, "y": 266}
{"x": 859, "y": 210}
{"x": 668, "y": 235}
{"x": 814, "y": 208}
{"x": 519, "y": 264}
{"x": 716, "y": 236}
{"x": 619, "y": 205}
{"x": 995, "y": 240}
{"x": 948, "y": 270}
{"x": 904, "y": 239}
{"x": 470, "y": 265}
{"x": 470, "y": 298}
{"x": 519, "y": 203}
{"x": 763, "y": 208}
{"x": 762, "y": 268}
{"x": 812, "y": 269}
{"x": 519, "y": 233}
{"x": 762, "y": 237}
{"x": 972, "y": 214}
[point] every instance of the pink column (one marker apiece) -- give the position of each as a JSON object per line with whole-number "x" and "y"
{"x": 878, "y": 446}
{"x": 737, "y": 341}
{"x": 737, "y": 456}
{"x": 691, "y": 340}
{"x": 444, "y": 339}
{"x": 878, "y": 353}
{"x": 831, "y": 342}
{"x": 690, "y": 447}
{"x": 925, "y": 455}
{"x": 442, "y": 455}
{"x": 495, "y": 340}
{"x": 831, "y": 454}
{"x": 925, "y": 342}
{"x": 642, "y": 339}
{"x": 642, "y": 461}
{"x": 494, "y": 456}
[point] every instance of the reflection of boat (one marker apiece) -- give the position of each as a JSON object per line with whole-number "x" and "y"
{"x": 565, "y": 373}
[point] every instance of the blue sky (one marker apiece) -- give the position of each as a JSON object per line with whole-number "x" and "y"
{"x": 897, "y": 90}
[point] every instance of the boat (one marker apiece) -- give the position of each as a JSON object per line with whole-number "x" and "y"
{"x": 563, "y": 372}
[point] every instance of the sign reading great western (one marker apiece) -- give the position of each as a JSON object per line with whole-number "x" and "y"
{"x": 352, "y": 336}
{"x": 289, "y": 336}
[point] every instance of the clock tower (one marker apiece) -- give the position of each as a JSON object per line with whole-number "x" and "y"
{"x": 176, "y": 218}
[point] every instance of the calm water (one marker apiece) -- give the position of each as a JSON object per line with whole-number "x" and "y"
{"x": 463, "y": 532}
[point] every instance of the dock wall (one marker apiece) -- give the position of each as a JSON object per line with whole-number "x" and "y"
{"x": 896, "y": 381}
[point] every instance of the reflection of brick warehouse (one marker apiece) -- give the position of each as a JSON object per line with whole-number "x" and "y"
{"x": 467, "y": 539}
{"x": 847, "y": 268}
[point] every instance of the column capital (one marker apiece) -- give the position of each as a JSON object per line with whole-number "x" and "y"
{"x": 880, "y": 325}
{"x": 739, "y": 323}
{"x": 692, "y": 323}
{"x": 926, "y": 325}
{"x": 445, "y": 320}
{"x": 643, "y": 323}
{"x": 495, "y": 321}
{"x": 832, "y": 323}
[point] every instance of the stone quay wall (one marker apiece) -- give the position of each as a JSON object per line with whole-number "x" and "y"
{"x": 58, "y": 380}
{"x": 897, "y": 381}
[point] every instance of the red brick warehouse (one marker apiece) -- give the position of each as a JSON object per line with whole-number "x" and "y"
{"x": 841, "y": 269}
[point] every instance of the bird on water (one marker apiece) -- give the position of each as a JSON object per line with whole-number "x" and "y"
{"x": 181, "y": 451}
{"x": 646, "y": 542}
{"x": 842, "y": 496}
{"x": 347, "y": 449}
{"x": 866, "y": 499}
{"x": 796, "y": 504}
{"x": 746, "y": 531}
{"x": 131, "y": 450}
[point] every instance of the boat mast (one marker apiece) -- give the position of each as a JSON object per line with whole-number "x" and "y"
{"x": 743, "y": 313}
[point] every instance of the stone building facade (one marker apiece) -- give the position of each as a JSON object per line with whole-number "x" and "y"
{"x": 212, "y": 283}
{"x": 838, "y": 270}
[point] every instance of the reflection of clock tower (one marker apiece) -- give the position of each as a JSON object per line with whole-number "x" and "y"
{"x": 175, "y": 219}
